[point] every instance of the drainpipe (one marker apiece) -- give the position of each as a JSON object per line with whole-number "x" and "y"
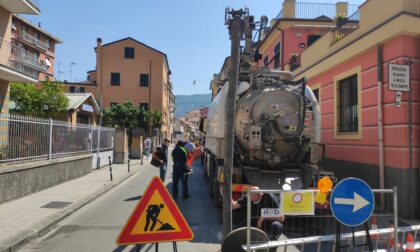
{"x": 410, "y": 142}
{"x": 282, "y": 47}
{"x": 381, "y": 125}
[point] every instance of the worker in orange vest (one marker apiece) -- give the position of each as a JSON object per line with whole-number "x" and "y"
{"x": 191, "y": 148}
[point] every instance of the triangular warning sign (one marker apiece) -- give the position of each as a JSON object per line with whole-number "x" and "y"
{"x": 156, "y": 218}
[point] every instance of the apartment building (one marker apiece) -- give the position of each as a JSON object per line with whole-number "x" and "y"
{"x": 129, "y": 70}
{"x": 297, "y": 26}
{"x": 15, "y": 63}
{"x": 193, "y": 116}
{"x": 367, "y": 79}
{"x": 37, "y": 42}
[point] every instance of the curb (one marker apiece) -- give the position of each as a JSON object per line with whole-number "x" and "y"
{"x": 60, "y": 216}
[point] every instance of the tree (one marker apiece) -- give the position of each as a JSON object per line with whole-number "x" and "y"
{"x": 46, "y": 101}
{"x": 128, "y": 116}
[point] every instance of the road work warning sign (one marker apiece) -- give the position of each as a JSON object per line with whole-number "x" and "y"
{"x": 297, "y": 203}
{"x": 156, "y": 218}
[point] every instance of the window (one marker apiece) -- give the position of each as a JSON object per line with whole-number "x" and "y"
{"x": 312, "y": 39}
{"x": 47, "y": 78}
{"x": 266, "y": 60}
{"x": 144, "y": 106}
{"x": 348, "y": 105}
{"x": 81, "y": 89}
{"x": 115, "y": 79}
{"x": 129, "y": 52}
{"x": 72, "y": 89}
{"x": 113, "y": 104}
{"x": 24, "y": 29}
{"x": 316, "y": 93}
{"x": 144, "y": 80}
{"x": 277, "y": 56}
{"x": 37, "y": 35}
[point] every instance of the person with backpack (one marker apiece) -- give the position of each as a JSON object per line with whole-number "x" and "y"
{"x": 161, "y": 154}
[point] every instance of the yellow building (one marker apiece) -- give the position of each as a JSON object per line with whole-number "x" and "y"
{"x": 130, "y": 71}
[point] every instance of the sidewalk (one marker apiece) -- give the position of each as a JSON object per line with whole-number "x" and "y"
{"x": 24, "y": 219}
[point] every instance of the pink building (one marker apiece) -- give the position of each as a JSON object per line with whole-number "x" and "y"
{"x": 367, "y": 131}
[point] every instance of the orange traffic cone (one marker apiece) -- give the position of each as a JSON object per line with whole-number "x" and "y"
{"x": 391, "y": 242}
{"x": 373, "y": 226}
{"x": 409, "y": 246}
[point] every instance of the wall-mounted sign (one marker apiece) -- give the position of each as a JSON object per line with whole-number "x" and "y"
{"x": 399, "y": 77}
{"x": 87, "y": 108}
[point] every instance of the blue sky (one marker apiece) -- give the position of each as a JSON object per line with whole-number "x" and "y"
{"x": 191, "y": 32}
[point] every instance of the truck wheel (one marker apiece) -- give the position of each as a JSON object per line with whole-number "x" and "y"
{"x": 210, "y": 178}
{"x": 307, "y": 179}
{"x": 218, "y": 200}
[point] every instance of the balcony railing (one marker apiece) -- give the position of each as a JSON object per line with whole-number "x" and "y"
{"x": 315, "y": 10}
{"x": 35, "y": 41}
{"x": 347, "y": 26}
{"x": 20, "y": 60}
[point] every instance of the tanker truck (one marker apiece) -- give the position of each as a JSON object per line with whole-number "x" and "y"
{"x": 277, "y": 134}
{"x": 276, "y": 125}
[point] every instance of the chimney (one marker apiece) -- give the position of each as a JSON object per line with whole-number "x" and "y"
{"x": 99, "y": 69}
{"x": 341, "y": 8}
{"x": 99, "y": 42}
{"x": 39, "y": 24}
{"x": 289, "y": 8}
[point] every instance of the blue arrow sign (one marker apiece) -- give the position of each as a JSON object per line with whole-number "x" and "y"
{"x": 352, "y": 202}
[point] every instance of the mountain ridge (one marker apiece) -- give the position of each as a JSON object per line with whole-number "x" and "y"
{"x": 186, "y": 103}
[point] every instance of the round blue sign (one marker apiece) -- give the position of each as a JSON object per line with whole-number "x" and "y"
{"x": 352, "y": 201}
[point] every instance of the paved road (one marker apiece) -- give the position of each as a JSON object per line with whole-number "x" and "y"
{"x": 96, "y": 226}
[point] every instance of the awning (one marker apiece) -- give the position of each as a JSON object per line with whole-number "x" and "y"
{"x": 47, "y": 62}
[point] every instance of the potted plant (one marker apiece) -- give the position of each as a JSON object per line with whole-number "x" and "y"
{"x": 293, "y": 58}
{"x": 340, "y": 19}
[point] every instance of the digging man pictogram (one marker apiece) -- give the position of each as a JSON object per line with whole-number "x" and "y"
{"x": 152, "y": 214}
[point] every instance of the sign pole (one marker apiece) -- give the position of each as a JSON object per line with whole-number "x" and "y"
{"x": 175, "y": 248}
{"x": 156, "y": 247}
{"x": 369, "y": 241}
{"x": 338, "y": 237}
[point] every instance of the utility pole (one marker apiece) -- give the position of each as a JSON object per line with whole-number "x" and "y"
{"x": 98, "y": 126}
{"x": 235, "y": 23}
{"x": 150, "y": 98}
{"x": 71, "y": 71}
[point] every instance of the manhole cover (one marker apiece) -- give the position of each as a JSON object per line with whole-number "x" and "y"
{"x": 56, "y": 204}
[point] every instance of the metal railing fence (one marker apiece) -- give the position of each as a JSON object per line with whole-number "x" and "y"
{"x": 19, "y": 59}
{"x": 307, "y": 10}
{"x": 317, "y": 232}
{"x": 27, "y": 139}
{"x": 349, "y": 25}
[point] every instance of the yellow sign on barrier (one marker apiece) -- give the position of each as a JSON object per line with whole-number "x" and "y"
{"x": 297, "y": 203}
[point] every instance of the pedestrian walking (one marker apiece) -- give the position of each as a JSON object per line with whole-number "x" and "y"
{"x": 179, "y": 157}
{"x": 161, "y": 154}
{"x": 147, "y": 146}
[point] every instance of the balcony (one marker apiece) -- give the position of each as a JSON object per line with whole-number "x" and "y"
{"x": 19, "y": 60}
{"x": 34, "y": 41}
{"x": 345, "y": 27}
{"x": 303, "y": 10}
{"x": 21, "y": 6}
